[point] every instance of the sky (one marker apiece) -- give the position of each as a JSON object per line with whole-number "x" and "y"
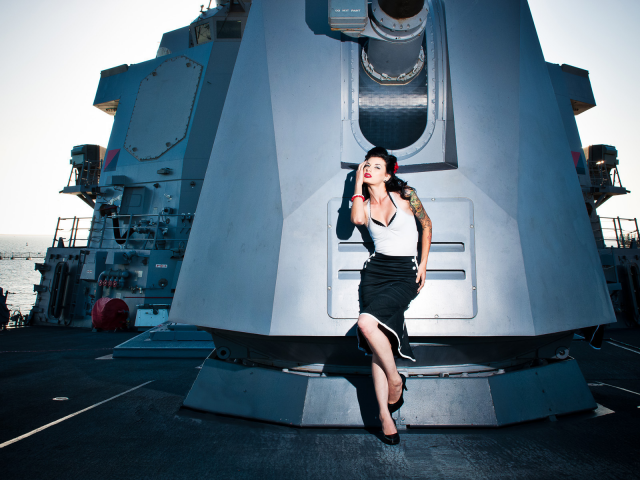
{"x": 54, "y": 52}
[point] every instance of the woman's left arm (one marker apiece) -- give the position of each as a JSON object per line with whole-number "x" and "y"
{"x": 425, "y": 221}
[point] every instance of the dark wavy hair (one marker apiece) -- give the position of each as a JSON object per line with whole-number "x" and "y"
{"x": 394, "y": 184}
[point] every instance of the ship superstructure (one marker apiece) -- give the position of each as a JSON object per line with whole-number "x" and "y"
{"x": 144, "y": 186}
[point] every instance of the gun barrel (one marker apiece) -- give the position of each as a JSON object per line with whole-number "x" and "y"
{"x": 401, "y": 25}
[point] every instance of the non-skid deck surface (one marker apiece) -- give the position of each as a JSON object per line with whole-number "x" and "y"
{"x": 145, "y": 433}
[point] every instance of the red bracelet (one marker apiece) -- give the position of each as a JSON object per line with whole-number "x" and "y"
{"x": 356, "y": 196}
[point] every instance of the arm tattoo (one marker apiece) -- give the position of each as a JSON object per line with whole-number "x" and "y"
{"x": 421, "y": 215}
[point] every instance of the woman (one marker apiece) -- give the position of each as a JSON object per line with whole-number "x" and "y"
{"x": 391, "y": 277}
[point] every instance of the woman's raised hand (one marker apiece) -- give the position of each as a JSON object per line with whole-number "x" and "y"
{"x": 358, "y": 216}
{"x": 360, "y": 175}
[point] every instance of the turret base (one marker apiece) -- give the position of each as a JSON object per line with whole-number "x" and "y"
{"x": 309, "y": 400}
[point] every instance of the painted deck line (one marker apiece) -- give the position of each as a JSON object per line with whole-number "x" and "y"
{"x": 17, "y": 439}
{"x": 619, "y": 388}
{"x": 620, "y": 346}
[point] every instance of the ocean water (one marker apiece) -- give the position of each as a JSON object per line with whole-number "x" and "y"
{"x": 18, "y": 276}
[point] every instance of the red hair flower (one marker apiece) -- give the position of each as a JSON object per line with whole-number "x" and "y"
{"x": 395, "y": 168}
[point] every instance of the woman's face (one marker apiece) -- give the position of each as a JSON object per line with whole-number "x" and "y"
{"x": 375, "y": 171}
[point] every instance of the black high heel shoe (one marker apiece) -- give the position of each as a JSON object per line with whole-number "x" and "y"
{"x": 391, "y": 439}
{"x": 396, "y": 406}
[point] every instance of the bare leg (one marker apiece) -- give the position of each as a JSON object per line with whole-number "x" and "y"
{"x": 381, "y": 348}
{"x": 381, "y": 386}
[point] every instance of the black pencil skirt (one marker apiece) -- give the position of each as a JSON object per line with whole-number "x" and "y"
{"x": 387, "y": 287}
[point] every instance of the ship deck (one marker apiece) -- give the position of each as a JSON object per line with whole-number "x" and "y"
{"x": 145, "y": 433}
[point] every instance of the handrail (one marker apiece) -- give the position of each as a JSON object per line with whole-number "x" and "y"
{"x": 158, "y": 230}
{"x": 603, "y": 176}
{"x": 624, "y": 237}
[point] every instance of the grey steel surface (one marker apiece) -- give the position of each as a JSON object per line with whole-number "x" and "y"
{"x": 393, "y": 117}
{"x": 317, "y": 400}
{"x": 568, "y": 90}
{"x": 165, "y": 341}
{"x": 394, "y": 59}
{"x": 556, "y": 389}
{"x": 497, "y": 400}
{"x": 163, "y": 108}
{"x": 451, "y": 268}
{"x": 579, "y": 87}
{"x": 513, "y": 165}
{"x": 434, "y": 355}
{"x": 347, "y": 14}
{"x": 176, "y": 40}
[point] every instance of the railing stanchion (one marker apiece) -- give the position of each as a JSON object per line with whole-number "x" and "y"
{"x": 621, "y": 232}
{"x": 615, "y": 228}
{"x": 55, "y": 235}
{"x": 74, "y": 232}
{"x": 73, "y": 224}
{"x": 90, "y": 231}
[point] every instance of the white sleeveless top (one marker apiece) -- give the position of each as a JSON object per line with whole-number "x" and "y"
{"x": 400, "y": 238}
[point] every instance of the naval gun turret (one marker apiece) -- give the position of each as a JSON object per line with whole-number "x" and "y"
{"x": 473, "y": 117}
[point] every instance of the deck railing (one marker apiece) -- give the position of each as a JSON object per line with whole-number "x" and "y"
{"x": 601, "y": 176}
{"x": 620, "y": 232}
{"x": 73, "y": 232}
{"x": 146, "y": 232}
